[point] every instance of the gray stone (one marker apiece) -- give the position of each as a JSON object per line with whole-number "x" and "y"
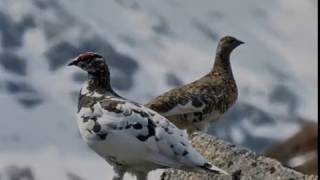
{"x": 240, "y": 163}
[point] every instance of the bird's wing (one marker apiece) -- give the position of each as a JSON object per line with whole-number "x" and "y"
{"x": 148, "y": 131}
{"x": 186, "y": 100}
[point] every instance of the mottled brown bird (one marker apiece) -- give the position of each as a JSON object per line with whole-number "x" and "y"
{"x": 195, "y": 105}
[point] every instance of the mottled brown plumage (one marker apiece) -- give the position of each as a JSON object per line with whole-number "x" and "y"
{"x": 195, "y": 105}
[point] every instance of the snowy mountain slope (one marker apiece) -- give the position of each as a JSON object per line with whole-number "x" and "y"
{"x": 151, "y": 46}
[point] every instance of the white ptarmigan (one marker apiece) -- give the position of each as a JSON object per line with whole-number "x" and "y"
{"x": 194, "y": 106}
{"x": 130, "y": 137}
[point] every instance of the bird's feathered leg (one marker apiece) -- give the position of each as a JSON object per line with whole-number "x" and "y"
{"x": 142, "y": 176}
{"x": 118, "y": 173}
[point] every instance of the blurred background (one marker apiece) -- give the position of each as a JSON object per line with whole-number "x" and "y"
{"x": 153, "y": 46}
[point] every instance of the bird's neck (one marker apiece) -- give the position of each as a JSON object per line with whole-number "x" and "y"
{"x": 100, "y": 83}
{"x": 222, "y": 63}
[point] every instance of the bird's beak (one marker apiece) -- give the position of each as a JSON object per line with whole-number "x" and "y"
{"x": 240, "y": 42}
{"x": 73, "y": 62}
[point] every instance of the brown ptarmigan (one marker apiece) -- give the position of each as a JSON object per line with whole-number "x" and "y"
{"x": 130, "y": 137}
{"x": 195, "y": 105}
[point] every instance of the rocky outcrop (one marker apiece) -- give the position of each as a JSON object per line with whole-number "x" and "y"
{"x": 239, "y": 162}
{"x": 300, "y": 151}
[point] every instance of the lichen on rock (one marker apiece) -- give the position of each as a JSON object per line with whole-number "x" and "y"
{"x": 241, "y": 163}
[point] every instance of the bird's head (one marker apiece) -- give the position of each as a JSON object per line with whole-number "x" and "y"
{"x": 91, "y": 62}
{"x": 228, "y": 43}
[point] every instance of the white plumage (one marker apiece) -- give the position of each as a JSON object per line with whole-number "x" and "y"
{"x": 131, "y": 137}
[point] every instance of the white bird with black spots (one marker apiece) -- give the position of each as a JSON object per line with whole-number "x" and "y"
{"x": 129, "y": 136}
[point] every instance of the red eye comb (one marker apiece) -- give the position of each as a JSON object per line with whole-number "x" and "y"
{"x": 87, "y": 56}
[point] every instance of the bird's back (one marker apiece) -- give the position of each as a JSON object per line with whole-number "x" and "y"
{"x": 204, "y": 99}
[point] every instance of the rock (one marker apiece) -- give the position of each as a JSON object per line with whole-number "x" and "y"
{"x": 239, "y": 162}
{"x": 300, "y": 151}
{"x": 19, "y": 173}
